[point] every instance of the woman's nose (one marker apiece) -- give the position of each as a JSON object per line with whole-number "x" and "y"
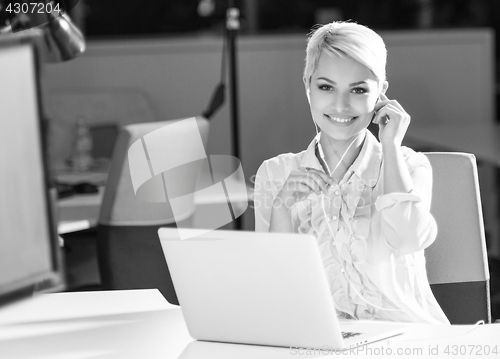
{"x": 340, "y": 103}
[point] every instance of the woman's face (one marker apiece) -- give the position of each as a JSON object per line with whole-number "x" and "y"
{"x": 342, "y": 95}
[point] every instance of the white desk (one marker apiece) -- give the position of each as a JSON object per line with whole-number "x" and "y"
{"x": 141, "y": 324}
{"x": 82, "y": 211}
{"x": 114, "y": 324}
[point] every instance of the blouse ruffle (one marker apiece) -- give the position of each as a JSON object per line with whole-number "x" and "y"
{"x": 346, "y": 218}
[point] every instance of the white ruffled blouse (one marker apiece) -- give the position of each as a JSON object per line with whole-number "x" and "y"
{"x": 372, "y": 244}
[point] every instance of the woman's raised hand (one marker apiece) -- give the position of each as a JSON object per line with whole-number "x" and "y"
{"x": 392, "y": 119}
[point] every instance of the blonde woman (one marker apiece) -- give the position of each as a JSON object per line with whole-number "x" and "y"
{"x": 366, "y": 201}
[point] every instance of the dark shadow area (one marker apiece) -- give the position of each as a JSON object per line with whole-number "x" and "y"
{"x": 80, "y": 260}
{"x": 494, "y": 265}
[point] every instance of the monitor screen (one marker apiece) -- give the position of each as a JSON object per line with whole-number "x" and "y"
{"x": 29, "y": 251}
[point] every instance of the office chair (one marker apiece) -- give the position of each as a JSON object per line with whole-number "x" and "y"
{"x": 457, "y": 264}
{"x": 103, "y": 139}
{"x": 128, "y": 248}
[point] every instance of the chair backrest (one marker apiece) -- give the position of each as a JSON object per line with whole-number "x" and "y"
{"x": 103, "y": 140}
{"x": 136, "y": 203}
{"x": 457, "y": 264}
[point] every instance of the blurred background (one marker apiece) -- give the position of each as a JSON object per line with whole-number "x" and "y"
{"x": 126, "y": 19}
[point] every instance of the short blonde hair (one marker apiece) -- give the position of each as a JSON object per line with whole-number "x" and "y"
{"x": 343, "y": 38}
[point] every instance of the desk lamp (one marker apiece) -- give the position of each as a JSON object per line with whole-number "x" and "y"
{"x": 62, "y": 40}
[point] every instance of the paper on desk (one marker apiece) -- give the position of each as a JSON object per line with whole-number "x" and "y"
{"x": 63, "y": 306}
{"x": 72, "y": 226}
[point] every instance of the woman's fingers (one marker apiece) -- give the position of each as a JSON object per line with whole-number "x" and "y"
{"x": 320, "y": 173}
{"x": 392, "y": 119}
{"x": 303, "y": 191}
{"x": 388, "y": 112}
{"x": 301, "y": 183}
{"x": 320, "y": 178}
{"x": 392, "y": 112}
{"x": 385, "y": 101}
{"x": 304, "y": 181}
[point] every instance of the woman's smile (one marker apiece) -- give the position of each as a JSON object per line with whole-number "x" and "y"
{"x": 341, "y": 120}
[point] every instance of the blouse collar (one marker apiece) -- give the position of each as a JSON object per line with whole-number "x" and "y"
{"x": 367, "y": 165}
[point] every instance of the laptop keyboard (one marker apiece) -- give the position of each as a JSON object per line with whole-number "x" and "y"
{"x": 346, "y": 335}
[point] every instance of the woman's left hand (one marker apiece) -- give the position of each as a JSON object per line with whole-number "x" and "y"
{"x": 392, "y": 119}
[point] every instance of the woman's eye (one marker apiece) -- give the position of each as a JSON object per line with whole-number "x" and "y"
{"x": 359, "y": 90}
{"x": 325, "y": 87}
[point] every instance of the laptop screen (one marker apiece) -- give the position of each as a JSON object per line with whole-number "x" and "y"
{"x": 29, "y": 255}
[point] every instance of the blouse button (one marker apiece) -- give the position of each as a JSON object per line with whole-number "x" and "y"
{"x": 336, "y": 193}
{"x": 334, "y": 218}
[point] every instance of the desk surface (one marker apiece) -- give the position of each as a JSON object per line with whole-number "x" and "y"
{"x": 141, "y": 324}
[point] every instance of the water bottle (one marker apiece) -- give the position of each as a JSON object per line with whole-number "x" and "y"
{"x": 82, "y": 155}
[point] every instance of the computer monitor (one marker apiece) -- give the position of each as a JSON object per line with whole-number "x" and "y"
{"x": 29, "y": 251}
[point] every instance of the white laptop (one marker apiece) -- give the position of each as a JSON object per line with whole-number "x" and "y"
{"x": 260, "y": 288}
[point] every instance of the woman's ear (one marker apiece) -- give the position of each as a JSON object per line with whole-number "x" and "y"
{"x": 385, "y": 86}
{"x": 308, "y": 91}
